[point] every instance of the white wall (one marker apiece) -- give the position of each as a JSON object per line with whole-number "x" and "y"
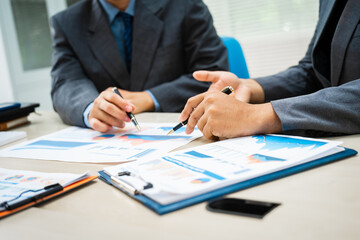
{"x": 6, "y": 92}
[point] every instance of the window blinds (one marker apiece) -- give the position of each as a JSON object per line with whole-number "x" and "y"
{"x": 274, "y": 34}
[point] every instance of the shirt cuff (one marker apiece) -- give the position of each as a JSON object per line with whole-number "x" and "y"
{"x": 86, "y": 114}
{"x": 156, "y": 103}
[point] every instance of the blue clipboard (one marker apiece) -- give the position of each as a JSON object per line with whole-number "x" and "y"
{"x": 163, "y": 209}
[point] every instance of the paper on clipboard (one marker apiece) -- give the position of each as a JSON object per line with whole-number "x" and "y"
{"x": 187, "y": 173}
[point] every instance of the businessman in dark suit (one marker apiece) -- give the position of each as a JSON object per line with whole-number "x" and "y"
{"x": 321, "y": 95}
{"x": 147, "y": 49}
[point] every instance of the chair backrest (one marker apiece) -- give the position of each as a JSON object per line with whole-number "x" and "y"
{"x": 236, "y": 57}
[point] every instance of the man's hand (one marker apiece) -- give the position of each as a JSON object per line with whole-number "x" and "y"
{"x": 109, "y": 110}
{"x": 218, "y": 115}
{"x": 246, "y": 90}
{"x": 141, "y": 100}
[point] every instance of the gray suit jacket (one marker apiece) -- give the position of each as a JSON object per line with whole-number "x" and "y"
{"x": 322, "y": 94}
{"x": 171, "y": 39}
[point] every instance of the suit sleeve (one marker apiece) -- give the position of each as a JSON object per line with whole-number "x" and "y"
{"x": 306, "y": 108}
{"x": 204, "y": 50}
{"x": 331, "y": 110}
{"x": 71, "y": 90}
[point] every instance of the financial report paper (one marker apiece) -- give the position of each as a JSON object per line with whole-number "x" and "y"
{"x": 76, "y": 144}
{"x": 25, "y": 184}
{"x": 182, "y": 174}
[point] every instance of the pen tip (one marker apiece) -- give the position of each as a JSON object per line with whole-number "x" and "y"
{"x": 171, "y": 131}
{"x": 138, "y": 127}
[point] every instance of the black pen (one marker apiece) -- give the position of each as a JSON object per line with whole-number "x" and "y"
{"x": 129, "y": 114}
{"x": 227, "y": 90}
{"x": 48, "y": 190}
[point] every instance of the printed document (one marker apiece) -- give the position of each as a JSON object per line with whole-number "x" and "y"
{"x": 15, "y": 182}
{"x": 10, "y": 136}
{"x": 190, "y": 172}
{"x": 76, "y": 144}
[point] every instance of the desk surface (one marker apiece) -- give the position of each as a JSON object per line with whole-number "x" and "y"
{"x": 322, "y": 203}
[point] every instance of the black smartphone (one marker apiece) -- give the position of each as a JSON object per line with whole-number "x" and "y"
{"x": 243, "y": 207}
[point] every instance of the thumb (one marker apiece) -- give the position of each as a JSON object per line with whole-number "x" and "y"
{"x": 207, "y": 76}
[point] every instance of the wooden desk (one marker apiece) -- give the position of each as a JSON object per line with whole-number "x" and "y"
{"x": 323, "y": 203}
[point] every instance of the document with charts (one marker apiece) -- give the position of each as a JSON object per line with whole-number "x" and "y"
{"x": 15, "y": 182}
{"x": 183, "y": 174}
{"x": 76, "y": 144}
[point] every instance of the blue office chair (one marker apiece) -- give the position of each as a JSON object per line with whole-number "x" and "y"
{"x": 236, "y": 57}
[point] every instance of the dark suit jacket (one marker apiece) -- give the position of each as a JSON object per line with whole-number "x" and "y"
{"x": 171, "y": 39}
{"x": 322, "y": 93}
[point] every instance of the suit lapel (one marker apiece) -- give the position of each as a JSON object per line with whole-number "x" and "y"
{"x": 324, "y": 18}
{"x": 348, "y": 22}
{"x": 103, "y": 45}
{"x": 147, "y": 29}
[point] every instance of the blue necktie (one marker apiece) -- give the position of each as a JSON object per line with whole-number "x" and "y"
{"x": 127, "y": 38}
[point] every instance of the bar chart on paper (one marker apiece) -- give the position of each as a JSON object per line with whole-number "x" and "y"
{"x": 118, "y": 145}
{"x": 135, "y": 140}
{"x": 186, "y": 173}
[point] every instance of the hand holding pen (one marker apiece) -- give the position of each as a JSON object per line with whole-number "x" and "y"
{"x": 129, "y": 114}
{"x": 109, "y": 110}
{"x": 227, "y": 90}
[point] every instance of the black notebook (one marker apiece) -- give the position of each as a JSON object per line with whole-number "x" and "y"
{"x": 18, "y": 111}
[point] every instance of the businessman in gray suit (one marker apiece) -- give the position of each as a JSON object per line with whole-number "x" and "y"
{"x": 147, "y": 49}
{"x": 320, "y": 95}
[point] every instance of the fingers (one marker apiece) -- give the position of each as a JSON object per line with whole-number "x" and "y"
{"x": 207, "y": 122}
{"x": 207, "y": 102}
{"x": 113, "y": 110}
{"x": 141, "y": 100}
{"x": 117, "y": 100}
{"x": 202, "y": 123}
{"x": 219, "y": 79}
{"x": 98, "y": 125}
{"x": 207, "y": 131}
{"x": 106, "y": 119}
{"x": 207, "y": 76}
{"x": 191, "y": 104}
{"x": 194, "y": 118}
{"x": 109, "y": 110}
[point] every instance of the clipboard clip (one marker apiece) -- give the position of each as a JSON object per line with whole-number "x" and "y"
{"x": 126, "y": 186}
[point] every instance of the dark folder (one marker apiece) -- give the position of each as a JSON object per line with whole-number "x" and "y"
{"x": 22, "y": 111}
{"x": 162, "y": 209}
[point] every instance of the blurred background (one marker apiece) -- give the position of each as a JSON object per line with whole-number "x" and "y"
{"x": 274, "y": 34}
